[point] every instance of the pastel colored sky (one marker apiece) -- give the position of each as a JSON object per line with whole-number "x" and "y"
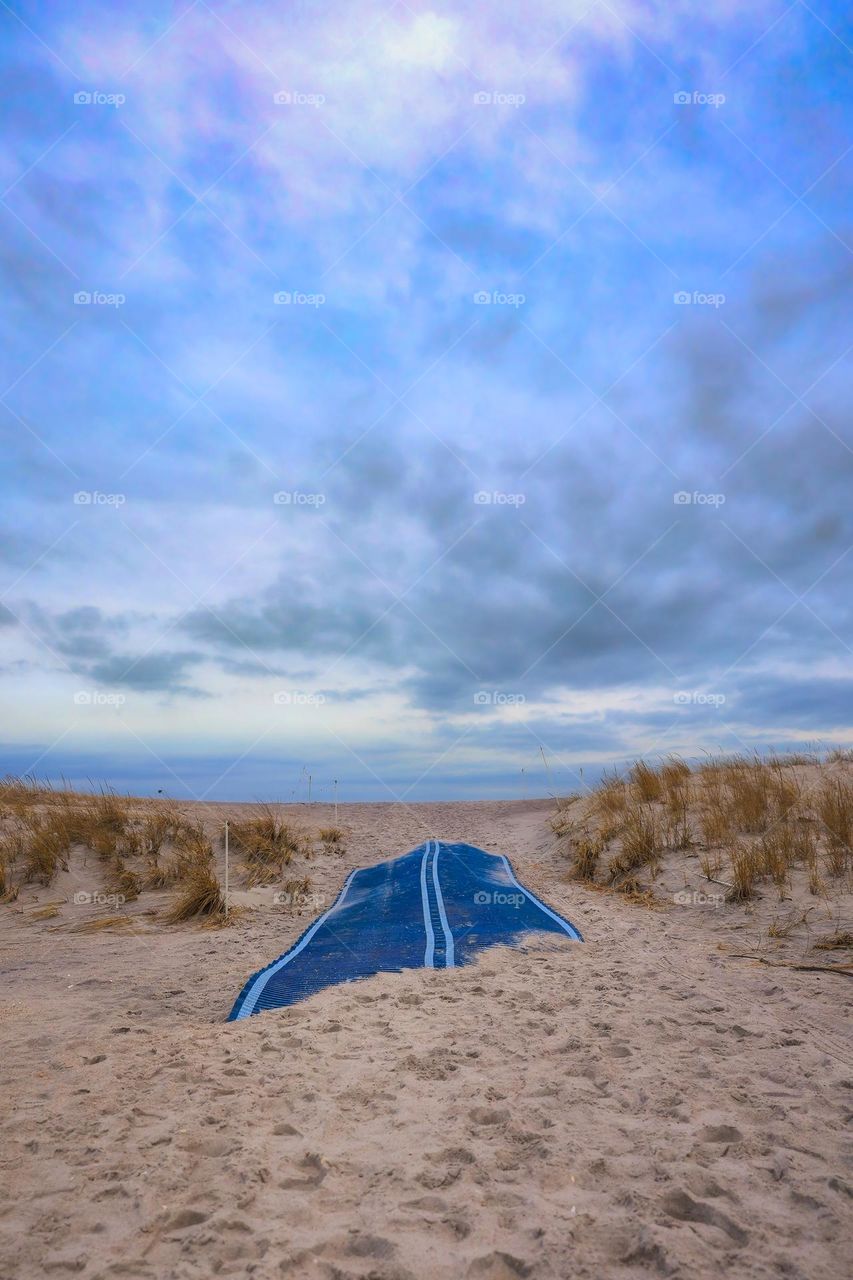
{"x": 390, "y": 390}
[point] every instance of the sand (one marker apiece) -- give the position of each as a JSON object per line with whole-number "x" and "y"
{"x": 645, "y": 1103}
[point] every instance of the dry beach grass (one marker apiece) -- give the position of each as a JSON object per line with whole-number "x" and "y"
{"x": 666, "y": 1099}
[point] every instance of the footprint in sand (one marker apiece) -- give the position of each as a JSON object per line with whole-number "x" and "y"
{"x": 498, "y": 1266}
{"x": 314, "y": 1169}
{"x": 679, "y": 1205}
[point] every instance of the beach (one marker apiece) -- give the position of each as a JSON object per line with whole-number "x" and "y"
{"x": 646, "y": 1102}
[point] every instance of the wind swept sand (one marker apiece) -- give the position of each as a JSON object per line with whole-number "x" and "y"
{"x": 645, "y": 1103}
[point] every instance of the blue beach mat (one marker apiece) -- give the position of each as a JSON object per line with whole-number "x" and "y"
{"x": 436, "y": 907}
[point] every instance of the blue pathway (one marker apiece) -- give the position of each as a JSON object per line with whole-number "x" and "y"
{"x": 435, "y": 907}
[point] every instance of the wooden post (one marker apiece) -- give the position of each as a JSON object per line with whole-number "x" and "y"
{"x": 226, "y": 868}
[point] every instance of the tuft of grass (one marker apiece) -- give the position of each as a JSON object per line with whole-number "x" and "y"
{"x": 199, "y": 894}
{"x": 784, "y": 928}
{"x": 158, "y": 875}
{"x": 745, "y": 870}
{"x": 333, "y": 840}
{"x": 102, "y": 922}
{"x": 641, "y": 842}
{"x": 635, "y": 892}
{"x": 749, "y": 795}
{"x": 330, "y": 835}
{"x": 44, "y": 913}
{"x": 46, "y": 848}
{"x": 711, "y": 864}
{"x": 124, "y": 881}
{"x": 647, "y": 782}
{"x": 610, "y": 797}
{"x": 715, "y": 824}
{"x": 835, "y": 808}
{"x": 155, "y": 830}
{"x": 267, "y": 843}
{"x": 586, "y": 852}
{"x": 816, "y": 885}
{"x": 677, "y": 833}
{"x": 775, "y": 854}
{"x": 840, "y": 940}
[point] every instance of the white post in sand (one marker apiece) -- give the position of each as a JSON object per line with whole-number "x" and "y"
{"x": 336, "y": 802}
{"x": 226, "y": 868}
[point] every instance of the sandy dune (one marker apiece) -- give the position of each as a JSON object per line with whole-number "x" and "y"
{"x": 646, "y": 1103}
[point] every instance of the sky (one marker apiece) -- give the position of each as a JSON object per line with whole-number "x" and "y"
{"x": 438, "y": 400}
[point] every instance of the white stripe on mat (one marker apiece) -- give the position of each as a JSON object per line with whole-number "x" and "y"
{"x": 564, "y": 924}
{"x": 429, "y": 954}
{"x": 449, "y": 949}
{"x": 254, "y": 993}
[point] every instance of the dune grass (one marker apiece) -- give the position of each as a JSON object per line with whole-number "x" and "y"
{"x": 267, "y": 844}
{"x": 198, "y": 894}
{"x": 750, "y": 822}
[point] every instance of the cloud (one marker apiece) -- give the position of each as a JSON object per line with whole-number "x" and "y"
{"x": 152, "y": 672}
{"x": 579, "y": 408}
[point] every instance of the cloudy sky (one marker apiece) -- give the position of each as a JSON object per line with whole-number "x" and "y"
{"x": 391, "y": 391}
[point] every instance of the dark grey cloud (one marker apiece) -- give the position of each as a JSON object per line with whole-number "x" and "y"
{"x": 148, "y": 672}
